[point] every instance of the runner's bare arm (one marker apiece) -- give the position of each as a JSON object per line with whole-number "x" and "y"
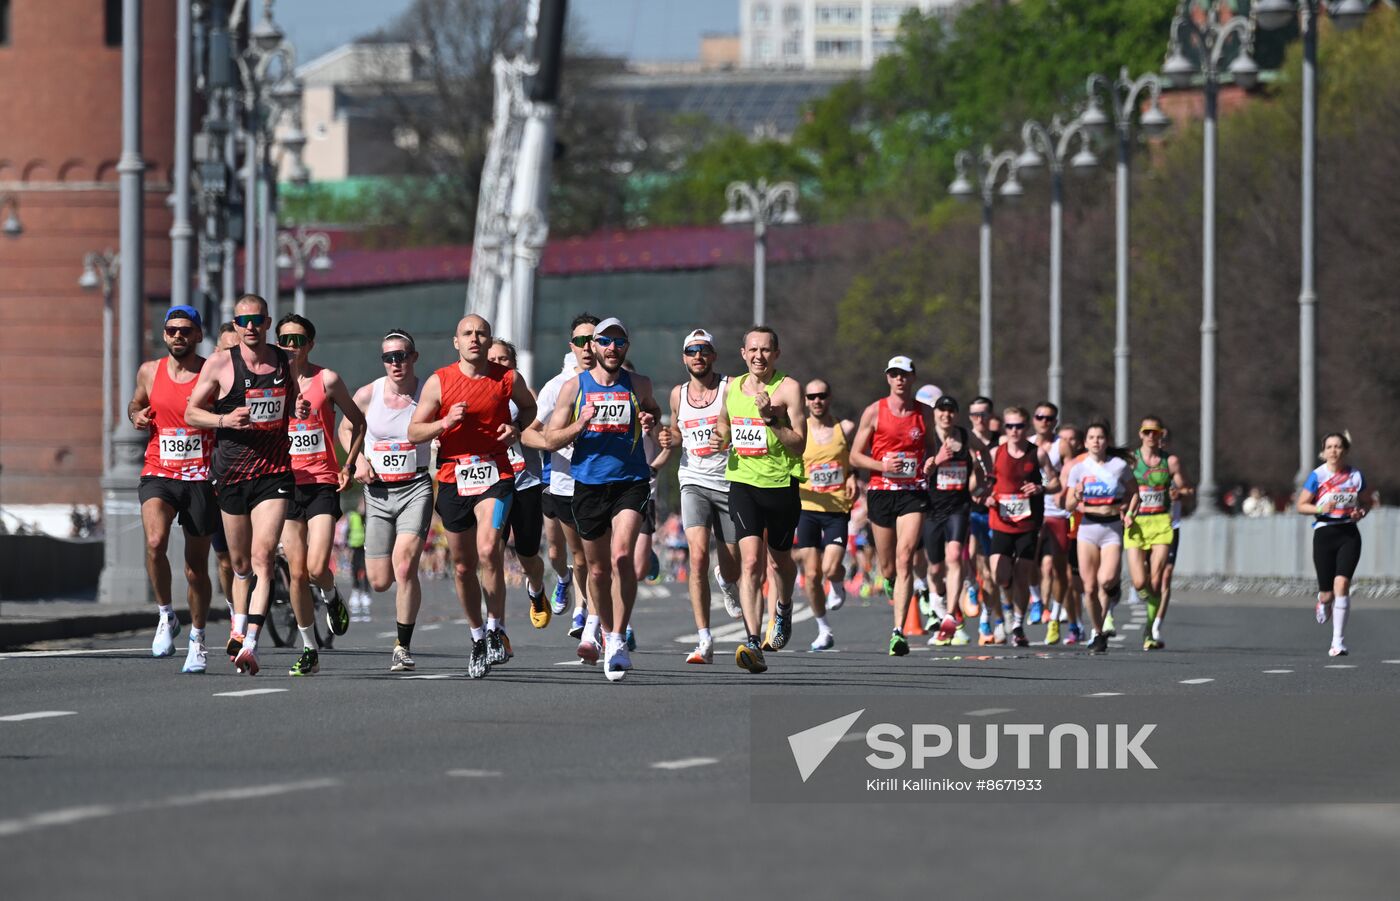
{"x": 789, "y": 423}
{"x": 364, "y": 472}
{"x": 340, "y": 396}
{"x": 861, "y": 443}
{"x": 1053, "y": 485}
{"x": 138, "y": 412}
{"x": 425, "y": 425}
{"x": 216, "y": 375}
{"x": 559, "y": 431}
{"x": 668, "y": 435}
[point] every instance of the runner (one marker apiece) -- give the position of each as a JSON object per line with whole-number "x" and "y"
{"x": 1016, "y": 505}
{"x": 1103, "y": 489}
{"x": 526, "y": 513}
{"x": 1150, "y": 537}
{"x": 604, "y": 412}
{"x": 825, "y": 520}
{"x": 1333, "y": 496}
{"x": 696, "y": 407}
{"x": 309, "y": 531}
{"x": 228, "y": 337}
{"x": 946, "y": 526}
{"x": 1072, "y": 440}
{"x": 355, "y": 541}
{"x": 175, "y": 482}
{"x": 466, "y": 407}
{"x": 765, "y": 433}
{"x": 982, "y": 590}
{"x": 1054, "y": 533}
{"x": 247, "y": 395}
{"x": 646, "y": 563}
{"x": 897, "y": 433}
{"x": 563, "y": 542}
{"x": 398, "y": 489}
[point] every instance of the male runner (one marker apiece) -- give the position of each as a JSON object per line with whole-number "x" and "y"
{"x": 893, "y": 443}
{"x": 175, "y": 481}
{"x": 765, "y": 432}
{"x": 309, "y": 532}
{"x": 1016, "y": 511}
{"x": 466, "y": 407}
{"x": 982, "y": 589}
{"x": 228, "y": 337}
{"x": 696, "y": 408}
{"x": 827, "y": 496}
{"x": 604, "y": 412}
{"x": 526, "y": 514}
{"x": 248, "y": 395}
{"x": 1054, "y": 533}
{"x": 1072, "y": 440}
{"x": 953, "y": 480}
{"x": 398, "y": 489}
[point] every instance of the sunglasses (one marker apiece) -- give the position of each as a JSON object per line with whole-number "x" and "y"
{"x": 292, "y": 339}
{"x": 698, "y": 350}
{"x": 394, "y": 357}
{"x": 182, "y": 331}
{"x": 1013, "y": 426}
{"x": 1153, "y": 432}
{"x": 1044, "y": 417}
{"x": 979, "y": 414}
{"x": 606, "y": 341}
{"x": 580, "y": 341}
{"x": 250, "y": 320}
{"x": 819, "y": 395}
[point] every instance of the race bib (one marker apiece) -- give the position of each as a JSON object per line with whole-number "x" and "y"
{"x": 516, "y": 457}
{"x": 394, "y": 461}
{"x": 181, "y": 447}
{"x": 266, "y": 407}
{"x": 906, "y": 467}
{"x": 612, "y": 411}
{"x": 826, "y": 477}
{"x": 748, "y": 436}
{"x": 1013, "y": 507}
{"x": 1097, "y": 494}
{"x": 1343, "y": 502}
{"x": 306, "y": 439}
{"x": 696, "y": 434}
{"x": 1152, "y": 500}
{"x": 951, "y": 476}
{"x": 475, "y": 475}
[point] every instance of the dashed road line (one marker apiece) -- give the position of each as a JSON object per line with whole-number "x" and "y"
{"x": 1340, "y": 666}
{"x": 474, "y": 774}
{"x": 248, "y": 692}
{"x": 1279, "y": 672}
{"x": 988, "y": 711}
{"x": 36, "y": 715}
{"x": 435, "y": 676}
{"x": 1105, "y": 694}
{"x": 684, "y": 764}
{"x": 1195, "y": 681}
{"x": 77, "y": 652}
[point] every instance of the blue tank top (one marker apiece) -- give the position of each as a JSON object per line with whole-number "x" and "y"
{"x": 610, "y": 449}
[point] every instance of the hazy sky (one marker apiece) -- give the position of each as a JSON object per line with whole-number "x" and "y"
{"x": 637, "y": 29}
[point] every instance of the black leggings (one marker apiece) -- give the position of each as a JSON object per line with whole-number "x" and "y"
{"x": 1336, "y": 551}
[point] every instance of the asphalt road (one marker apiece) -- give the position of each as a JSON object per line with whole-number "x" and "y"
{"x": 546, "y": 778}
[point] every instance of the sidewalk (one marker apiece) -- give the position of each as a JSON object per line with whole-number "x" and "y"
{"x": 27, "y": 622}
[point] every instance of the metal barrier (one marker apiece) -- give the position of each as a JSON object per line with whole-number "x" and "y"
{"x": 1280, "y": 547}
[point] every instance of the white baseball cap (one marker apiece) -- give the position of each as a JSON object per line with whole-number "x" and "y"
{"x": 903, "y": 364}
{"x": 610, "y": 322}
{"x": 699, "y": 336}
{"x": 928, "y": 394}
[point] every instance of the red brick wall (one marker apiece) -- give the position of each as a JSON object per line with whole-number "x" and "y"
{"x": 61, "y": 108}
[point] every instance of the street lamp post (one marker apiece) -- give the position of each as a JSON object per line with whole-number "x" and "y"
{"x": 181, "y": 231}
{"x": 297, "y": 252}
{"x": 761, "y": 204}
{"x": 1051, "y": 145}
{"x": 1209, "y": 40}
{"x": 990, "y": 169}
{"x": 1124, "y": 96}
{"x": 1346, "y": 15}
{"x": 100, "y": 271}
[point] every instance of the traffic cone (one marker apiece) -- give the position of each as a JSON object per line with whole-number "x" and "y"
{"x": 912, "y": 626}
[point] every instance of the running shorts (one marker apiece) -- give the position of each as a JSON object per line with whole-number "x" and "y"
{"x": 314, "y": 499}
{"x": 240, "y": 498}
{"x": 193, "y": 503}
{"x": 393, "y": 509}
{"x": 1336, "y": 552}
{"x": 527, "y": 521}
{"x": 941, "y": 528}
{"x": 594, "y": 506}
{"x": 886, "y": 507}
{"x": 1017, "y": 545}
{"x": 822, "y": 530}
{"x": 459, "y": 513}
{"x": 1146, "y": 531}
{"x": 701, "y": 506}
{"x": 773, "y": 511}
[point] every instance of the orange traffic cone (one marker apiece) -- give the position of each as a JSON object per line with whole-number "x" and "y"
{"x": 912, "y": 626}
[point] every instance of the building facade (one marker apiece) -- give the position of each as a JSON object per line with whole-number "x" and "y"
{"x": 61, "y": 102}
{"x": 824, "y": 34}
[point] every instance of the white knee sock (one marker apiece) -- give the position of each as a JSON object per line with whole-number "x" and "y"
{"x": 1339, "y": 618}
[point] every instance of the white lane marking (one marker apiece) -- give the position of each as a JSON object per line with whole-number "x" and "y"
{"x": 36, "y": 715}
{"x": 988, "y": 711}
{"x": 1279, "y": 672}
{"x": 387, "y": 635}
{"x": 436, "y": 676}
{"x": 69, "y": 815}
{"x": 1390, "y": 661}
{"x": 578, "y": 662}
{"x": 1196, "y": 681}
{"x": 736, "y": 631}
{"x": 474, "y": 774}
{"x": 1340, "y": 666}
{"x": 21, "y": 655}
{"x": 248, "y": 692}
{"x": 684, "y": 764}
{"x": 1105, "y": 694}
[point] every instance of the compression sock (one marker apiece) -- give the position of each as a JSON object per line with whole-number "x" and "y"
{"x": 405, "y": 634}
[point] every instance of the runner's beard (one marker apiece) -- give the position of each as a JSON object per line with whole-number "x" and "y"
{"x": 611, "y": 365}
{"x": 180, "y": 353}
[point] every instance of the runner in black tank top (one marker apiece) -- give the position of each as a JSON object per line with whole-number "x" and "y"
{"x": 262, "y": 450}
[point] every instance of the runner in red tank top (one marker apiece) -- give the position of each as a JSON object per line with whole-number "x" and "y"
{"x": 175, "y": 481}
{"x": 895, "y": 443}
{"x": 310, "y": 527}
{"x": 253, "y": 387}
{"x": 466, "y": 406}
{"x": 1016, "y": 507}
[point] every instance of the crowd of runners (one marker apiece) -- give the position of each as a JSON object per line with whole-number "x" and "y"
{"x": 1006, "y": 521}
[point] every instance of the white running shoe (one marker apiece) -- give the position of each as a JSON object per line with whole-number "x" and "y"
{"x": 1337, "y": 650}
{"x": 731, "y": 596}
{"x": 704, "y": 652}
{"x": 959, "y": 638}
{"x": 826, "y": 640}
{"x": 163, "y": 645}
{"x": 197, "y": 659}
{"x": 1323, "y": 612}
{"x": 835, "y": 596}
{"x": 999, "y": 633}
{"x": 617, "y": 663}
{"x": 588, "y": 650}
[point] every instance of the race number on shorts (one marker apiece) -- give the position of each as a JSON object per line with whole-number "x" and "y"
{"x": 749, "y": 436}
{"x": 475, "y": 475}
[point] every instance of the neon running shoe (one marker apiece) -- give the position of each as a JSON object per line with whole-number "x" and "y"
{"x": 704, "y": 653}
{"x": 1036, "y": 612}
{"x": 539, "y": 612}
{"x": 959, "y": 639}
{"x": 559, "y": 600}
{"x": 899, "y": 645}
{"x": 308, "y": 664}
{"x": 1052, "y": 633}
{"x": 1109, "y": 630}
{"x": 337, "y": 614}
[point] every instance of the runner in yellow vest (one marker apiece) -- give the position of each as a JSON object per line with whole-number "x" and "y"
{"x": 827, "y": 496}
